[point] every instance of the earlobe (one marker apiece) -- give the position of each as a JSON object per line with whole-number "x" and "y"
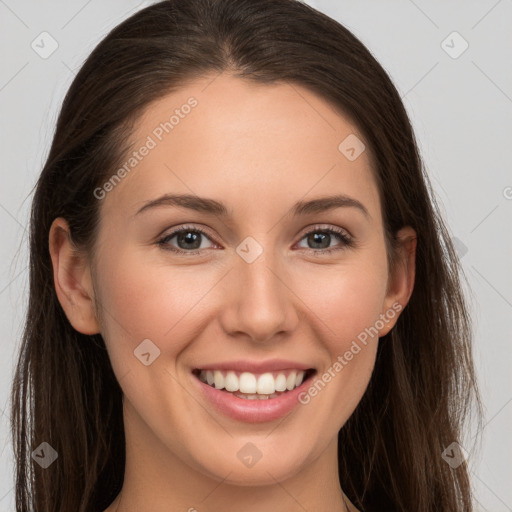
{"x": 72, "y": 279}
{"x": 401, "y": 283}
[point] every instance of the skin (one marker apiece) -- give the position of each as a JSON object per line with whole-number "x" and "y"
{"x": 258, "y": 149}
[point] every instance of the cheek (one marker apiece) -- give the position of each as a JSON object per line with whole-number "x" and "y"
{"x": 344, "y": 307}
{"x": 347, "y": 299}
{"x": 150, "y": 301}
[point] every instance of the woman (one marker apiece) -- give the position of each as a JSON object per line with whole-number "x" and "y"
{"x": 242, "y": 293}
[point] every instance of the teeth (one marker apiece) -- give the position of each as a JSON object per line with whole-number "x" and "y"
{"x": 218, "y": 379}
{"x": 290, "y": 381}
{"x": 248, "y": 383}
{"x": 254, "y": 396}
{"x": 281, "y": 382}
{"x": 251, "y": 386}
{"x": 231, "y": 382}
{"x": 266, "y": 384}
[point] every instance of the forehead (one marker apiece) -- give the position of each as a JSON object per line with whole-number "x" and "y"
{"x": 249, "y": 145}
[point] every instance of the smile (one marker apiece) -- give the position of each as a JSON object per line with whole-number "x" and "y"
{"x": 253, "y": 386}
{"x": 252, "y": 396}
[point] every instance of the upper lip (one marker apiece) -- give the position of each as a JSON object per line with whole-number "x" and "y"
{"x": 271, "y": 365}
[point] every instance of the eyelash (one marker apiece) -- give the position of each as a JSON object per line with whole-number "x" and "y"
{"x": 348, "y": 242}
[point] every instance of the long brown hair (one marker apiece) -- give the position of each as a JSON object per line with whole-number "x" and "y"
{"x": 423, "y": 384}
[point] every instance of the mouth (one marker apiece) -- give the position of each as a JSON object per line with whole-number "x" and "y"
{"x": 254, "y": 386}
{"x": 253, "y": 391}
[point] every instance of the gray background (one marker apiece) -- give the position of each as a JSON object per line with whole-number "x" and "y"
{"x": 461, "y": 110}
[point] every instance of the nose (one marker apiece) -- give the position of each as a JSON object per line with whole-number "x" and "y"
{"x": 259, "y": 301}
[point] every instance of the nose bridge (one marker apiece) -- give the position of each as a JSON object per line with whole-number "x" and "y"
{"x": 258, "y": 303}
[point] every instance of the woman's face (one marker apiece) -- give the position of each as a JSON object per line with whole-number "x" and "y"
{"x": 265, "y": 289}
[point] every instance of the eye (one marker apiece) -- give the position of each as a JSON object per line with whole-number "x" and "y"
{"x": 320, "y": 239}
{"x": 188, "y": 239}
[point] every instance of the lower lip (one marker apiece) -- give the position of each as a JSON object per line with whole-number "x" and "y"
{"x": 253, "y": 411}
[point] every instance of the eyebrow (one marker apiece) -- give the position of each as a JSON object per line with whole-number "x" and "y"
{"x": 211, "y": 206}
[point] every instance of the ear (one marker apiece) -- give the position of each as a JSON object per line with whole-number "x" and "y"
{"x": 72, "y": 279}
{"x": 401, "y": 280}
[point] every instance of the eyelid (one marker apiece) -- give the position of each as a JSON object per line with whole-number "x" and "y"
{"x": 325, "y": 227}
{"x": 161, "y": 239}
